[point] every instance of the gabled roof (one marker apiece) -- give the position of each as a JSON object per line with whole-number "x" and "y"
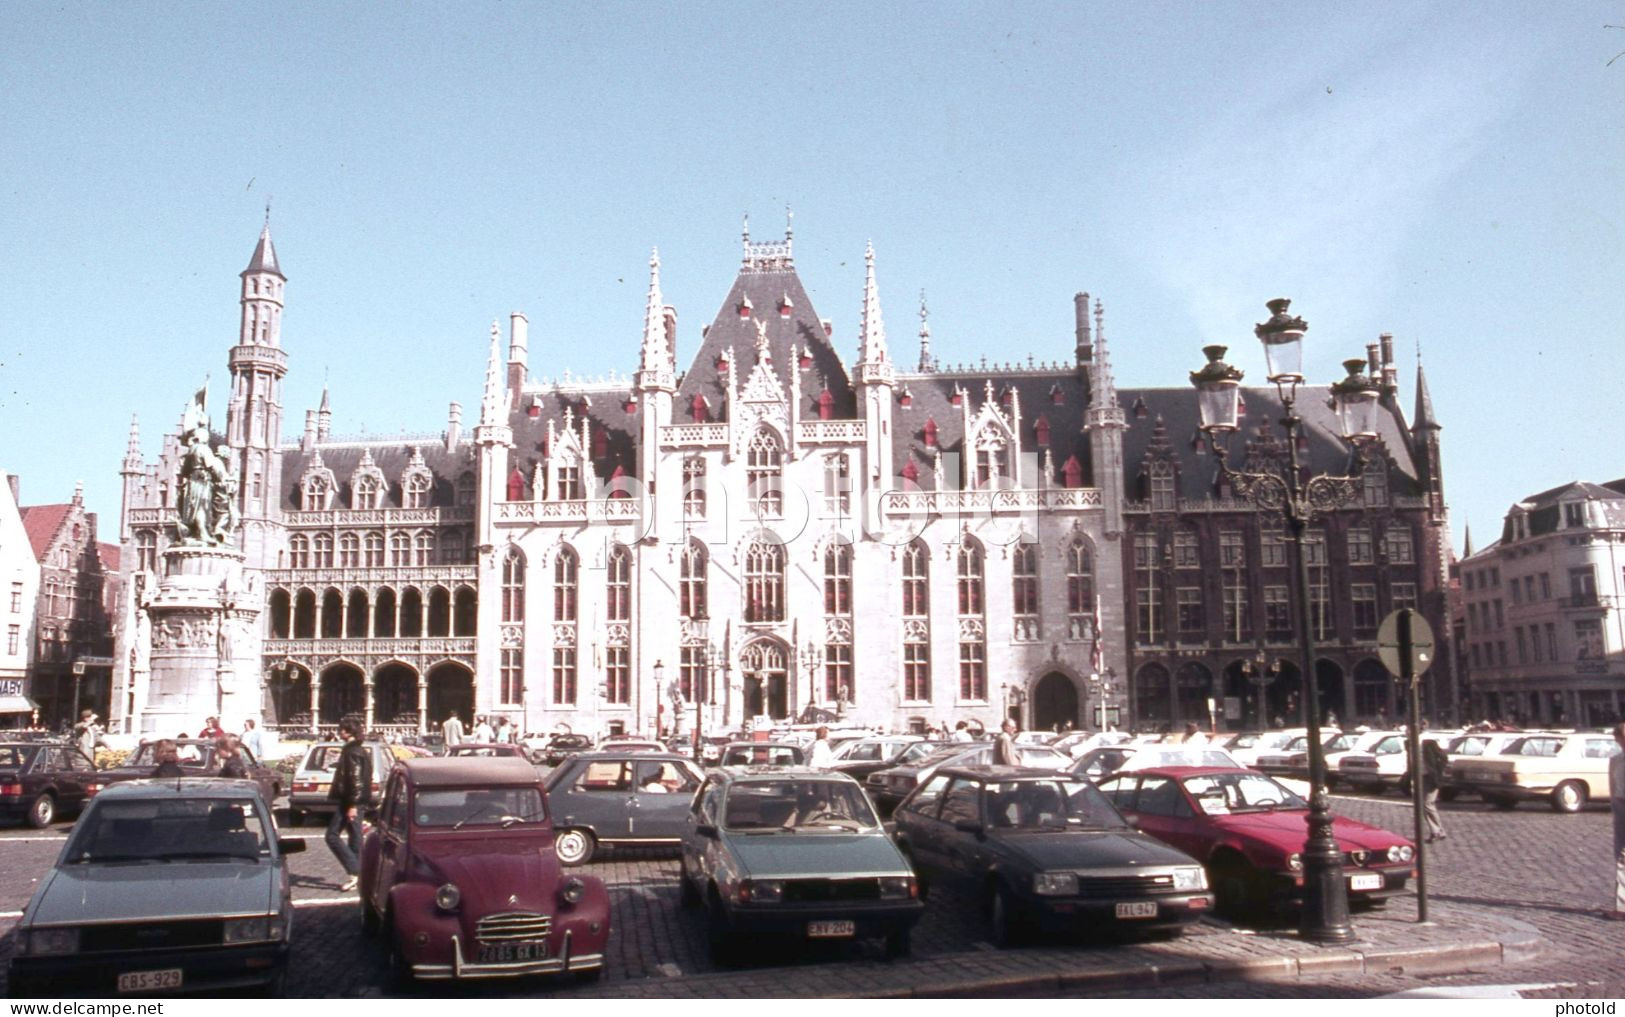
{"x": 42, "y": 523}
{"x": 109, "y": 554}
{"x": 607, "y": 414}
{"x": 761, "y": 288}
{"x": 391, "y": 456}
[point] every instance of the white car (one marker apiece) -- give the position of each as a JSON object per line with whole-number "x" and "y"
{"x": 1248, "y": 747}
{"x": 1382, "y": 765}
{"x": 1079, "y": 742}
{"x": 872, "y": 749}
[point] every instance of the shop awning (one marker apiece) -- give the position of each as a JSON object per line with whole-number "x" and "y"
{"x": 17, "y": 704}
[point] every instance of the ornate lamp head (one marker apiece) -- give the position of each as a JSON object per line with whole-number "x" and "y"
{"x": 1217, "y": 387}
{"x": 1282, "y": 336}
{"x": 1355, "y": 401}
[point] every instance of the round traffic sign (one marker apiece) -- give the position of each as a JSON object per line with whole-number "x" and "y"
{"x": 1405, "y": 636}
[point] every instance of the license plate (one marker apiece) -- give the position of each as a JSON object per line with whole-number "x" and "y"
{"x": 513, "y": 953}
{"x": 149, "y": 981}
{"x": 1365, "y": 881}
{"x": 1137, "y": 909}
{"x": 831, "y": 930}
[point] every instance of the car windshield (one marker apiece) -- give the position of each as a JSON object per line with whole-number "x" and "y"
{"x": 1042, "y": 757}
{"x": 917, "y": 750}
{"x": 483, "y": 750}
{"x": 323, "y": 757}
{"x": 1050, "y": 805}
{"x": 15, "y": 755}
{"x": 761, "y": 755}
{"x": 477, "y": 806}
{"x": 169, "y": 830}
{"x": 1219, "y": 794}
{"x": 190, "y": 755}
{"x": 798, "y": 806}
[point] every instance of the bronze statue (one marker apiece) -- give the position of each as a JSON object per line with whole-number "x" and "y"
{"x": 205, "y": 509}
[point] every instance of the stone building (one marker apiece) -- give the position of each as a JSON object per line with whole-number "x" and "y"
{"x": 72, "y": 666}
{"x": 1544, "y": 641}
{"x": 19, "y": 585}
{"x": 748, "y": 530}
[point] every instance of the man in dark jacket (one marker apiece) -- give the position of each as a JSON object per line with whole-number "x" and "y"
{"x": 1434, "y": 761}
{"x": 350, "y": 793}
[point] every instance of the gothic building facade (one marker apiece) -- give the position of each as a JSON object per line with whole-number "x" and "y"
{"x": 757, "y": 531}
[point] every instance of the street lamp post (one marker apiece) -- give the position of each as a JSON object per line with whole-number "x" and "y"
{"x": 1104, "y": 683}
{"x": 812, "y": 655}
{"x": 1261, "y": 672}
{"x": 1325, "y": 916}
{"x": 659, "y": 671}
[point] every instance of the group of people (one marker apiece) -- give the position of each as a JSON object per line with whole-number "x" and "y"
{"x": 484, "y": 732}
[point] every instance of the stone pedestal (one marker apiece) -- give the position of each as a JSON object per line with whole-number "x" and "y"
{"x": 201, "y": 619}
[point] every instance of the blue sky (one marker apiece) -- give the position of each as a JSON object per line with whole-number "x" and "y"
{"x": 1449, "y": 173}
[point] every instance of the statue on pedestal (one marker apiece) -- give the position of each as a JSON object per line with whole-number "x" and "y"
{"x": 205, "y": 502}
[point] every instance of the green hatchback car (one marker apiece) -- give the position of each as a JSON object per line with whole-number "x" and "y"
{"x": 796, "y": 853}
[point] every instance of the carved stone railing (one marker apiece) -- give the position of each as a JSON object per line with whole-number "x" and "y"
{"x": 386, "y": 517}
{"x": 827, "y": 432}
{"x": 364, "y": 650}
{"x": 530, "y": 513}
{"x": 995, "y": 502}
{"x": 151, "y": 517}
{"x": 446, "y": 575}
{"x": 693, "y": 435}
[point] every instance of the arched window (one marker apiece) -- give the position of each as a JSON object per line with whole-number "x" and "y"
{"x": 400, "y": 550}
{"x": 691, "y": 581}
{"x": 383, "y": 613}
{"x": 281, "y": 614}
{"x": 566, "y": 568}
{"x": 764, "y": 582}
{"x": 372, "y": 550}
{"x": 992, "y": 458}
{"x": 694, "y": 487}
{"x": 146, "y": 550}
{"x": 764, "y": 463}
{"x": 423, "y": 548}
{"x": 321, "y": 551}
{"x": 619, "y": 588}
{"x": 318, "y": 491}
{"x": 349, "y": 551}
{"x": 916, "y": 622}
{"x": 1080, "y": 591}
{"x": 837, "y": 484}
{"x": 513, "y": 586}
{"x": 415, "y": 490}
{"x": 411, "y": 614}
{"x": 464, "y": 613}
{"x": 368, "y": 491}
{"x": 970, "y": 578}
{"x": 838, "y": 580}
{"x": 355, "y": 615}
{"x": 1024, "y": 589}
{"x": 299, "y": 551}
{"x": 465, "y": 489}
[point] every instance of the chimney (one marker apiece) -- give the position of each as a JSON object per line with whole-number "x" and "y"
{"x": 518, "y": 353}
{"x": 1080, "y": 310}
{"x": 1373, "y": 366}
{"x": 454, "y": 425}
{"x": 1390, "y": 373}
{"x": 309, "y": 440}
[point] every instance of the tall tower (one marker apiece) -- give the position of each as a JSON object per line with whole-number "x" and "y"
{"x": 254, "y": 417}
{"x": 656, "y": 383}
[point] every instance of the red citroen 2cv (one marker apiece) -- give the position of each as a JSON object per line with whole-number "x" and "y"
{"x": 461, "y": 876}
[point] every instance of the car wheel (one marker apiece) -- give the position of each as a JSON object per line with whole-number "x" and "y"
{"x": 575, "y": 846}
{"x": 1004, "y": 926}
{"x": 898, "y": 944}
{"x": 1503, "y": 802}
{"x": 1569, "y": 796}
{"x": 399, "y": 970}
{"x": 687, "y": 896}
{"x": 1448, "y": 794}
{"x": 42, "y": 812}
{"x": 1236, "y": 887}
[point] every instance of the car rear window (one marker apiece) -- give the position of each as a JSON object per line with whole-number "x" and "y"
{"x": 495, "y": 806}
{"x": 323, "y": 757}
{"x": 11, "y": 755}
{"x": 797, "y": 806}
{"x": 171, "y": 829}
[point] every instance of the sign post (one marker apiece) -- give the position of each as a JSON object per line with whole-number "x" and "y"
{"x": 1405, "y": 646}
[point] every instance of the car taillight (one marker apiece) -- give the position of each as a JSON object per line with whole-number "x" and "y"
{"x": 91, "y": 789}
{"x": 307, "y": 786}
{"x": 11, "y": 789}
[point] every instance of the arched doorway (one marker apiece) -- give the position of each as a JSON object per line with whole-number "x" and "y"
{"x": 1153, "y": 706}
{"x": 1333, "y": 704}
{"x": 1284, "y": 697}
{"x": 451, "y": 687}
{"x": 1194, "y": 688}
{"x": 395, "y": 695}
{"x": 1055, "y": 702}
{"x": 1373, "y": 692}
{"x": 766, "y": 679}
{"x": 342, "y": 693}
{"x": 287, "y": 694}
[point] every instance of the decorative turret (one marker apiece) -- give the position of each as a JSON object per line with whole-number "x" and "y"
{"x": 254, "y": 412}
{"x": 1425, "y": 441}
{"x": 927, "y": 362}
{"x": 133, "y": 462}
{"x": 874, "y": 360}
{"x": 656, "y": 371}
{"x": 491, "y": 410}
{"x": 493, "y": 437}
{"x": 1105, "y": 423}
{"x": 1423, "y": 419}
{"x": 324, "y": 417}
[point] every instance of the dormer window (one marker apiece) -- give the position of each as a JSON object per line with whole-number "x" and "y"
{"x": 1041, "y": 431}
{"x": 958, "y": 398}
{"x": 805, "y": 360}
{"x": 415, "y": 491}
{"x": 368, "y": 491}
{"x": 1573, "y": 514}
{"x": 930, "y": 433}
{"x": 600, "y": 444}
{"x": 1056, "y": 395}
{"x": 905, "y": 398}
{"x": 516, "y": 485}
{"x": 698, "y": 411}
{"x": 826, "y": 405}
{"x": 1139, "y": 408}
{"x": 569, "y": 486}
{"x": 1072, "y": 472}
{"x": 745, "y": 307}
{"x": 911, "y": 472}
{"x": 317, "y": 492}
{"x": 786, "y": 306}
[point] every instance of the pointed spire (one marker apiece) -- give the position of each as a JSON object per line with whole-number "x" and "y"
{"x": 491, "y": 403}
{"x": 1467, "y": 541}
{"x": 655, "y": 367}
{"x": 132, "y": 450}
{"x": 264, "y": 259}
{"x": 327, "y": 406}
{"x": 1103, "y": 408}
{"x": 1424, "y": 419}
{"x": 874, "y": 360}
{"x": 926, "y": 361}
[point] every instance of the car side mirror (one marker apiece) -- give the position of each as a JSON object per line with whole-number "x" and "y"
{"x": 967, "y": 826}
{"x": 706, "y": 830}
{"x": 289, "y": 845}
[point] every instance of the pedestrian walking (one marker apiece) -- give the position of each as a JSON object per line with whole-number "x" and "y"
{"x": 1433, "y": 763}
{"x": 452, "y": 730}
{"x": 1194, "y": 735}
{"x": 350, "y": 793}
{"x": 231, "y": 760}
{"x": 252, "y": 740}
{"x": 1616, "y": 799}
{"x": 1004, "y": 746}
{"x": 961, "y": 733}
{"x": 482, "y": 731}
{"x": 821, "y": 757}
{"x": 211, "y": 728}
{"x": 87, "y": 734}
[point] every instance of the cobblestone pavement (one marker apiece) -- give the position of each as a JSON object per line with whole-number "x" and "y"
{"x": 1529, "y": 869}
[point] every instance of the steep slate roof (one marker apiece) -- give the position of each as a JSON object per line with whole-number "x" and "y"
{"x": 391, "y": 456}
{"x": 42, "y": 523}
{"x": 109, "y": 554}
{"x": 766, "y": 285}
{"x": 606, "y": 411}
{"x": 264, "y": 259}
{"x": 1544, "y": 510}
